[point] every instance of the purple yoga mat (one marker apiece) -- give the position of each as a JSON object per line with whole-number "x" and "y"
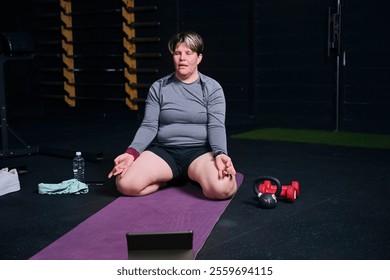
{"x": 103, "y": 235}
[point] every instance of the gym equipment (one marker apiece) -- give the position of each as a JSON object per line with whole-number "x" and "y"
{"x": 269, "y": 193}
{"x": 13, "y": 46}
{"x": 267, "y": 200}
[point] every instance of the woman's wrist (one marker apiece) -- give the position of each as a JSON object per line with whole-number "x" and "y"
{"x": 219, "y": 153}
{"x": 132, "y": 152}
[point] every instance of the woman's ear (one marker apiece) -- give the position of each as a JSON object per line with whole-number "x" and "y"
{"x": 200, "y": 56}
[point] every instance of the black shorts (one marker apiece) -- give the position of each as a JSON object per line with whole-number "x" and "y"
{"x": 179, "y": 158}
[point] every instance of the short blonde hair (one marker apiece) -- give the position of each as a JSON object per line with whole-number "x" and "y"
{"x": 192, "y": 39}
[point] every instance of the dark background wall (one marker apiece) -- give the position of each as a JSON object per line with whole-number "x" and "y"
{"x": 281, "y": 63}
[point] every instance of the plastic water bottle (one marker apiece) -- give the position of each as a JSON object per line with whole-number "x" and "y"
{"x": 78, "y": 167}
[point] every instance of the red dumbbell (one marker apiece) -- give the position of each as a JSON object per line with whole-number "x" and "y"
{"x": 290, "y": 192}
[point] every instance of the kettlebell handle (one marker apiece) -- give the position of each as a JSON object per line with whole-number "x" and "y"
{"x": 270, "y": 178}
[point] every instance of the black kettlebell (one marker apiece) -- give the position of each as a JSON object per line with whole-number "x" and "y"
{"x": 267, "y": 200}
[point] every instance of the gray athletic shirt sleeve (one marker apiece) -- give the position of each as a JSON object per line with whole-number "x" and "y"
{"x": 178, "y": 114}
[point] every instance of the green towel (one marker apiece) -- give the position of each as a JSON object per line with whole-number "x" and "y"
{"x": 72, "y": 186}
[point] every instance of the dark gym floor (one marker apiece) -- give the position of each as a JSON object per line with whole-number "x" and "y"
{"x": 342, "y": 212}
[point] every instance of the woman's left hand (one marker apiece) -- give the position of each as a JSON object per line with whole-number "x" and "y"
{"x": 225, "y": 166}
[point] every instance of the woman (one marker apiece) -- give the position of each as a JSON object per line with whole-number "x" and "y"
{"x": 182, "y": 134}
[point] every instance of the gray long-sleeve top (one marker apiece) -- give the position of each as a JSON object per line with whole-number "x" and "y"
{"x": 179, "y": 114}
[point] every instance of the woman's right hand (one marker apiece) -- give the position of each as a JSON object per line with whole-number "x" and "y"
{"x": 122, "y": 163}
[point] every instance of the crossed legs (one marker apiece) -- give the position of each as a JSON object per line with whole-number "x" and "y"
{"x": 150, "y": 172}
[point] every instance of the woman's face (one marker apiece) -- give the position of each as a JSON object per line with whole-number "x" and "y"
{"x": 186, "y": 63}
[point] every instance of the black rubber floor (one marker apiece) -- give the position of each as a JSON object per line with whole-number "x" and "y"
{"x": 343, "y": 211}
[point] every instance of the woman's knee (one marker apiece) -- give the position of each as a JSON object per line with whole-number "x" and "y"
{"x": 220, "y": 189}
{"x": 129, "y": 187}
